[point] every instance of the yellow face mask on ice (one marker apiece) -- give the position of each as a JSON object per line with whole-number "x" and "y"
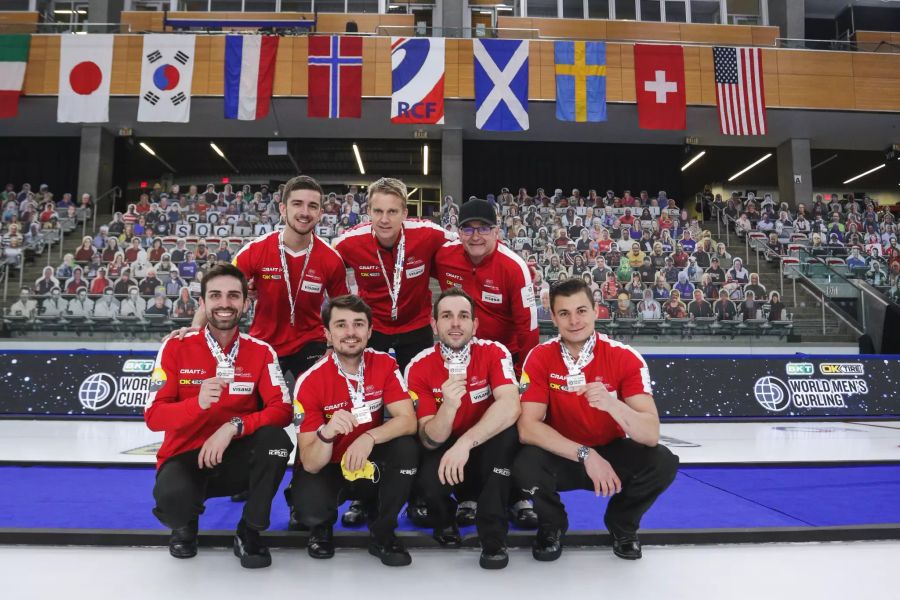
{"x": 369, "y": 471}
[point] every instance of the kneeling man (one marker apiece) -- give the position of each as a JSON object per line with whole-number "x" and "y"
{"x": 220, "y": 398}
{"x": 467, "y": 407}
{"x": 582, "y": 394}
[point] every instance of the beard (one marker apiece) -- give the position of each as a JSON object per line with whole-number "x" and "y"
{"x": 223, "y": 324}
{"x": 296, "y": 228}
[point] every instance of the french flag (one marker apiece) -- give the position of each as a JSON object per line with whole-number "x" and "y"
{"x": 249, "y": 72}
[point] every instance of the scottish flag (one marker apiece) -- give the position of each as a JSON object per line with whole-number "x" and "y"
{"x": 501, "y": 84}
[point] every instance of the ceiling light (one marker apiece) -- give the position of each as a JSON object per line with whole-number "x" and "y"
{"x": 881, "y": 166}
{"x": 362, "y": 171}
{"x": 217, "y": 150}
{"x": 152, "y": 153}
{"x": 744, "y": 170}
{"x": 425, "y": 160}
{"x": 148, "y": 149}
{"x": 693, "y": 160}
{"x": 411, "y": 192}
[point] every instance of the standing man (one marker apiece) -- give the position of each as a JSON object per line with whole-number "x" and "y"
{"x": 221, "y": 400}
{"x": 500, "y": 284}
{"x": 391, "y": 258}
{"x": 582, "y": 394}
{"x": 291, "y": 271}
{"x": 494, "y": 276}
{"x": 467, "y": 405}
{"x": 347, "y": 448}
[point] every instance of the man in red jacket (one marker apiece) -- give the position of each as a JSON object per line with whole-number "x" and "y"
{"x": 221, "y": 400}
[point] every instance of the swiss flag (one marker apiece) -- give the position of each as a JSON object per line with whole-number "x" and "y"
{"x": 659, "y": 83}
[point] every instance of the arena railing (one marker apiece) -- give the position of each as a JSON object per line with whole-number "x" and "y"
{"x": 837, "y": 45}
{"x": 113, "y": 194}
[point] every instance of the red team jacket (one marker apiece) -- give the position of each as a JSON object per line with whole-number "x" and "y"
{"x": 260, "y": 262}
{"x": 489, "y": 368}
{"x": 183, "y": 365}
{"x": 617, "y": 365}
{"x": 322, "y": 391}
{"x": 502, "y": 290}
{"x": 359, "y": 249}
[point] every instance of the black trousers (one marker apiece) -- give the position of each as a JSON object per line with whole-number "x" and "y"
{"x": 316, "y": 496}
{"x": 406, "y": 345}
{"x": 300, "y": 361}
{"x": 486, "y": 478}
{"x": 256, "y": 463}
{"x": 645, "y": 473}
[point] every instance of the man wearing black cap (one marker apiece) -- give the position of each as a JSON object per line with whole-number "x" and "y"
{"x": 499, "y": 282}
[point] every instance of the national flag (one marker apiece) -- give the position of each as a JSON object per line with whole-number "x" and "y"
{"x": 85, "y": 71}
{"x": 659, "y": 86}
{"x": 13, "y": 58}
{"x": 167, "y": 72}
{"x": 501, "y": 84}
{"x": 249, "y": 73}
{"x": 334, "y": 73}
{"x": 580, "y": 81}
{"x": 417, "y": 80}
{"x": 740, "y": 95}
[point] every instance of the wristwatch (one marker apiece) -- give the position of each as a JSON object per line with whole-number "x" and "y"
{"x": 239, "y": 423}
{"x": 582, "y": 453}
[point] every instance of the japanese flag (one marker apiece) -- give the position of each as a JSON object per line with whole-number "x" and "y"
{"x": 85, "y": 68}
{"x": 167, "y": 71}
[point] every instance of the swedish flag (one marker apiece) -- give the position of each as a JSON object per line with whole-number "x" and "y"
{"x": 580, "y": 81}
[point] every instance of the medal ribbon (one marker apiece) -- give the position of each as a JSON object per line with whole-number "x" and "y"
{"x": 357, "y": 396}
{"x": 394, "y": 291}
{"x": 216, "y": 350}
{"x": 584, "y": 357}
{"x": 292, "y": 293}
{"x": 458, "y": 357}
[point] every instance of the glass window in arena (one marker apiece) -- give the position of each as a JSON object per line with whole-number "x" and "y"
{"x": 705, "y": 11}
{"x": 296, "y": 5}
{"x": 330, "y": 6}
{"x": 625, "y": 9}
{"x": 226, "y": 5}
{"x": 650, "y": 10}
{"x": 744, "y": 12}
{"x": 542, "y": 8}
{"x": 676, "y": 11}
{"x": 598, "y": 9}
{"x": 362, "y": 6}
{"x": 573, "y": 9}
{"x": 16, "y": 5}
{"x": 259, "y": 6}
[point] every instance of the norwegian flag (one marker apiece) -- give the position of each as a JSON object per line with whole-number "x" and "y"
{"x": 740, "y": 95}
{"x": 335, "y": 77}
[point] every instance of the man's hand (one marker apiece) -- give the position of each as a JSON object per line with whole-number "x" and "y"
{"x": 210, "y": 392}
{"x": 358, "y": 452}
{"x": 214, "y": 447}
{"x": 453, "y": 390}
{"x": 601, "y": 473}
{"x": 597, "y": 395}
{"x": 453, "y": 463}
{"x": 341, "y": 423}
{"x": 180, "y": 333}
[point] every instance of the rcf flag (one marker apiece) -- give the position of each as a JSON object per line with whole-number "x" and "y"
{"x": 739, "y": 91}
{"x": 85, "y": 70}
{"x": 659, "y": 86}
{"x": 501, "y": 84}
{"x": 166, "y": 75}
{"x": 417, "y": 80}
{"x": 580, "y": 81}
{"x": 13, "y": 58}
{"x": 335, "y": 77}
{"x": 249, "y": 72}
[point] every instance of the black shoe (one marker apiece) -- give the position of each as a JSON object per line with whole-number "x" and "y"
{"x": 465, "y": 513}
{"x": 418, "y": 514}
{"x": 493, "y": 556}
{"x": 547, "y": 545}
{"x": 321, "y": 542}
{"x": 627, "y": 546}
{"x": 355, "y": 515}
{"x": 390, "y": 551}
{"x": 249, "y": 548}
{"x": 294, "y": 523}
{"x": 183, "y": 542}
{"x": 448, "y": 536}
{"x": 241, "y": 497}
{"x": 522, "y": 515}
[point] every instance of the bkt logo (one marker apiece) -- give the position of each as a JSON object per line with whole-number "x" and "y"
{"x": 800, "y": 369}
{"x": 419, "y": 110}
{"x": 842, "y": 369}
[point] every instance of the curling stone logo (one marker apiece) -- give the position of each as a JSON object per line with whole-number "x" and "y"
{"x": 772, "y": 393}
{"x": 97, "y": 391}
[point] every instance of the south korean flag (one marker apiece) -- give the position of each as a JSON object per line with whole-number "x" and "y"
{"x": 167, "y": 72}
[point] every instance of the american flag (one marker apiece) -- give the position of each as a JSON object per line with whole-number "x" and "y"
{"x": 739, "y": 91}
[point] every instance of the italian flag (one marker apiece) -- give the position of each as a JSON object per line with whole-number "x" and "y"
{"x": 13, "y": 58}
